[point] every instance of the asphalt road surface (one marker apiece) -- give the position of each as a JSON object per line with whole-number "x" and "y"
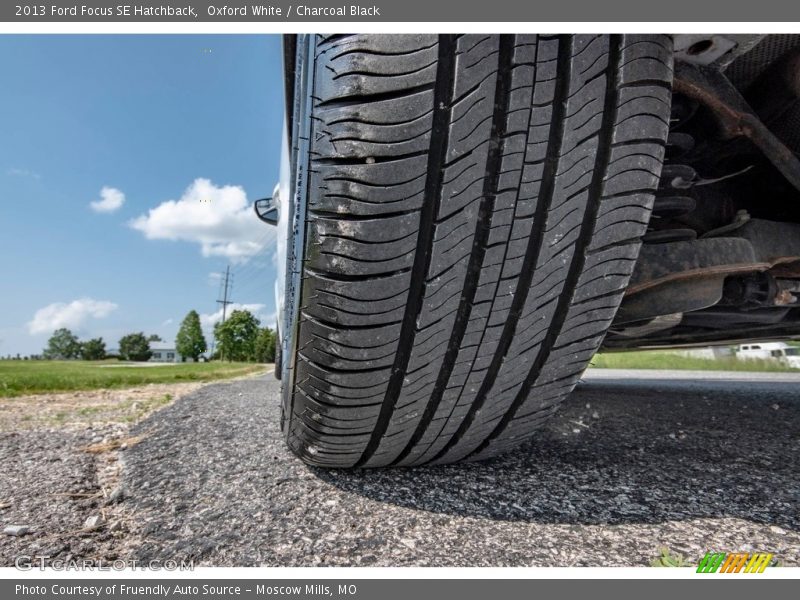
{"x": 632, "y": 463}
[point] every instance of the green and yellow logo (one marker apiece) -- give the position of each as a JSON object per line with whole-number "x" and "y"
{"x": 735, "y": 562}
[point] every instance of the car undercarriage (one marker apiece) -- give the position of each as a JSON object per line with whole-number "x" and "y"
{"x": 720, "y": 262}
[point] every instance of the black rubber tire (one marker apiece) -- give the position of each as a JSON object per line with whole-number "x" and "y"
{"x": 475, "y": 209}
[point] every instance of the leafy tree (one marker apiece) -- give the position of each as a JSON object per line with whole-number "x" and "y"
{"x": 190, "y": 341}
{"x": 265, "y": 346}
{"x": 94, "y": 349}
{"x": 62, "y": 345}
{"x": 135, "y": 346}
{"x": 237, "y": 336}
{"x": 154, "y": 338}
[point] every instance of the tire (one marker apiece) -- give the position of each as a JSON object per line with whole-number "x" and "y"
{"x": 474, "y": 210}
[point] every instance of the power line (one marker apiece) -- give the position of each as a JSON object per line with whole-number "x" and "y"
{"x": 257, "y": 285}
{"x": 262, "y": 244}
{"x": 253, "y": 268}
{"x": 253, "y": 282}
{"x": 252, "y": 263}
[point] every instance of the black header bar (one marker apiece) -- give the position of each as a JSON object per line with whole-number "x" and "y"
{"x": 393, "y": 11}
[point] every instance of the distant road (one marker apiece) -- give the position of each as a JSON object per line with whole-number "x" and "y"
{"x": 645, "y": 374}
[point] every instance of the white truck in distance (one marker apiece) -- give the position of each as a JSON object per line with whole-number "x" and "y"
{"x": 770, "y": 351}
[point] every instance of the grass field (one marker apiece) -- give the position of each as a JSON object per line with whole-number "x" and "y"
{"x": 653, "y": 359}
{"x": 19, "y": 378}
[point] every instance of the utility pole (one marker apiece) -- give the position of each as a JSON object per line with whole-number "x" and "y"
{"x": 226, "y": 286}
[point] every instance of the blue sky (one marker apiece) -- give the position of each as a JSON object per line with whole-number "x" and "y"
{"x": 127, "y": 169}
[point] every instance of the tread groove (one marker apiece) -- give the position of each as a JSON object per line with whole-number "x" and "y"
{"x": 480, "y": 239}
{"x": 534, "y": 243}
{"x": 442, "y": 106}
{"x": 602, "y": 162}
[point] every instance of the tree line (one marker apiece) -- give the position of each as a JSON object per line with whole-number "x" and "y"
{"x": 240, "y": 338}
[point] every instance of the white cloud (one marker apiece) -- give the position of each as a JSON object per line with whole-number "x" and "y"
{"x": 220, "y": 219}
{"x": 111, "y": 199}
{"x": 15, "y": 172}
{"x": 167, "y": 322}
{"x": 208, "y": 320}
{"x": 72, "y": 315}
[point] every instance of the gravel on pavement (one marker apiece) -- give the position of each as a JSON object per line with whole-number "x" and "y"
{"x": 628, "y": 466}
{"x": 634, "y": 462}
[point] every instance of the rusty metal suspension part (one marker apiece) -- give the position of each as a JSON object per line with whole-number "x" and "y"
{"x": 736, "y": 118}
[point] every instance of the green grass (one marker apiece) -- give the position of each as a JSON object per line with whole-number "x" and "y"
{"x": 667, "y": 558}
{"x": 659, "y": 359}
{"x": 18, "y": 378}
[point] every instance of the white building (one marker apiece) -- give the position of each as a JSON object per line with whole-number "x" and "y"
{"x": 163, "y": 352}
